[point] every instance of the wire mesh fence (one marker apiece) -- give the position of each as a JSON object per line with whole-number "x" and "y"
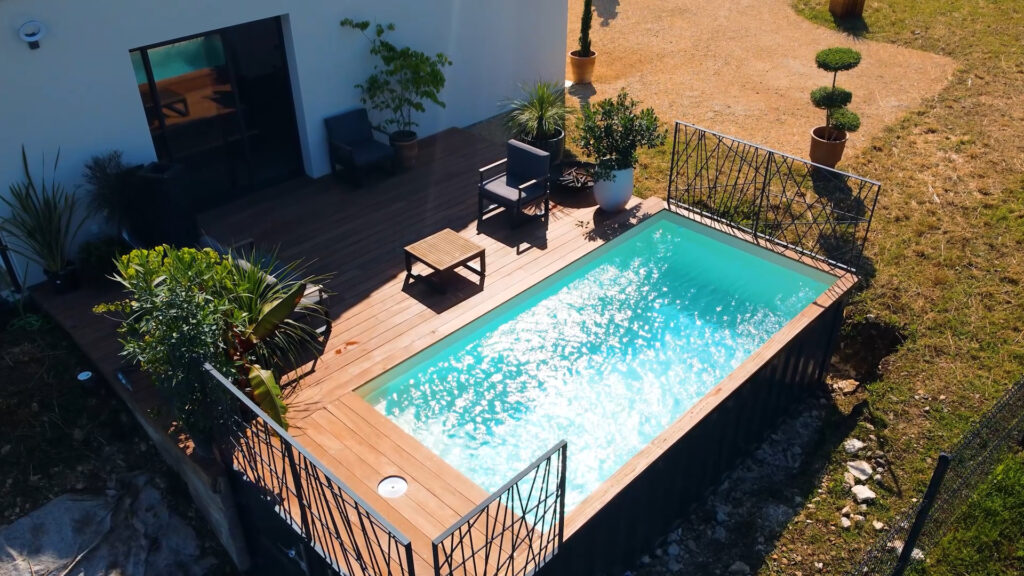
{"x": 990, "y": 440}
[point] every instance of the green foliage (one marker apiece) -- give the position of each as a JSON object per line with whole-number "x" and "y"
{"x": 173, "y": 324}
{"x": 987, "y": 537}
{"x": 586, "y": 21}
{"x": 833, "y": 99}
{"x": 837, "y": 59}
{"x": 826, "y": 97}
{"x": 188, "y": 307}
{"x": 612, "y": 131}
{"x": 44, "y": 219}
{"x": 401, "y": 81}
{"x": 108, "y": 180}
{"x": 540, "y": 113}
{"x": 844, "y": 119}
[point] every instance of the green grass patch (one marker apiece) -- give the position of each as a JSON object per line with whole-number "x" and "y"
{"x": 987, "y": 536}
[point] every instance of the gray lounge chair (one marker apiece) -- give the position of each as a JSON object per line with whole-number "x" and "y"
{"x": 351, "y": 145}
{"x": 523, "y": 183}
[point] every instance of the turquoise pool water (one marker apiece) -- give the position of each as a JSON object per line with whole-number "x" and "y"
{"x": 605, "y": 354}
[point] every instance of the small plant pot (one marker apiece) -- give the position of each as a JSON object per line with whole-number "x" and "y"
{"x": 553, "y": 146}
{"x": 64, "y": 281}
{"x": 825, "y": 151}
{"x": 407, "y": 148}
{"x": 581, "y": 67}
{"x": 613, "y": 195}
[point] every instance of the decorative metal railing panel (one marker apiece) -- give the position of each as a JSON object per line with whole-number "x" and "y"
{"x": 331, "y": 519}
{"x": 513, "y": 532}
{"x": 814, "y": 211}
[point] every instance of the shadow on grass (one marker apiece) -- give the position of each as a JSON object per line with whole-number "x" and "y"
{"x": 854, "y": 26}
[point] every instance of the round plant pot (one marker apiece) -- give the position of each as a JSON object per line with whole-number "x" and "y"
{"x": 406, "y": 147}
{"x": 613, "y": 195}
{"x": 64, "y": 281}
{"x": 553, "y": 146}
{"x": 581, "y": 67}
{"x": 824, "y": 151}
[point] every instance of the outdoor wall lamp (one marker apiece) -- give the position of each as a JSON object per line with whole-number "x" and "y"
{"x": 32, "y": 32}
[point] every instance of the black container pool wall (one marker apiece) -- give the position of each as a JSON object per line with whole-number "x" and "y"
{"x": 633, "y": 520}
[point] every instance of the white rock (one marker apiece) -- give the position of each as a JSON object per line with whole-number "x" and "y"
{"x": 849, "y": 479}
{"x": 877, "y": 525}
{"x": 845, "y": 511}
{"x": 857, "y": 519}
{"x": 860, "y": 469}
{"x": 853, "y": 445}
{"x": 862, "y": 507}
{"x": 739, "y": 568}
{"x": 673, "y": 550}
{"x": 863, "y": 494}
{"x": 845, "y": 522}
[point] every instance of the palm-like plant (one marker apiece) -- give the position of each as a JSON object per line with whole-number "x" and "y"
{"x": 44, "y": 219}
{"x": 540, "y": 113}
{"x": 107, "y": 178}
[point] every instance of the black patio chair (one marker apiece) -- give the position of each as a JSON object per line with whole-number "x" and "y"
{"x": 523, "y": 183}
{"x": 351, "y": 145}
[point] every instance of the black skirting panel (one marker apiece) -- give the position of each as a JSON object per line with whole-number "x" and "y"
{"x": 632, "y": 522}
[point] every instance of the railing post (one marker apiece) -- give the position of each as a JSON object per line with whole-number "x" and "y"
{"x": 672, "y": 165}
{"x": 763, "y": 195}
{"x": 9, "y": 266}
{"x": 941, "y": 467}
{"x": 561, "y": 495}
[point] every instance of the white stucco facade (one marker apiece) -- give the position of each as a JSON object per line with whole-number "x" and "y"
{"x": 78, "y": 91}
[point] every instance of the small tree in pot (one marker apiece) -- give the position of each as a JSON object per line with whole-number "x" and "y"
{"x": 538, "y": 118}
{"x": 611, "y": 132}
{"x": 400, "y": 84}
{"x": 829, "y": 141}
{"x": 582, "y": 60}
{"x": 44, "y": 219}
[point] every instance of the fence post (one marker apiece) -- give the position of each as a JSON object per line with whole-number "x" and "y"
{"x": 941, "y": 467}
{"x": 300, "y": 499}
{"x": 763, "y": 196}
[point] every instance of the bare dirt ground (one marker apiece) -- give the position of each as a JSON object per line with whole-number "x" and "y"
{"x": 746, "y": 68}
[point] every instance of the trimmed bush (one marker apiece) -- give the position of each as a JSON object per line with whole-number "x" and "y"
{"x": 837, "y": 59}
{"x": 833, "y": 99}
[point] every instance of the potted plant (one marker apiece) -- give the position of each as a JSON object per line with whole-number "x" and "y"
{"x": 44, "y": 219}
{"x": 829, "y": 141}
{"x": 581, "y": 61}
{"x": 538, "y": 118}
{"x": 401, "y": 82}
{"x": 611, "y": 132}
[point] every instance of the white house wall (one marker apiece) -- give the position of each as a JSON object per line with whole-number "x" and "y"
{"x": 78, "y": 90}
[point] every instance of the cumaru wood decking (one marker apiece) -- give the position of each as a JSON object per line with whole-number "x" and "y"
{"x": 357, "y": 236}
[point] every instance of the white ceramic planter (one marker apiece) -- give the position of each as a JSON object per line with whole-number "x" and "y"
{"x": 613, "y": 195}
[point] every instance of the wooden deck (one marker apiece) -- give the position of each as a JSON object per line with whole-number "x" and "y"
{"x": 357, "y": 235}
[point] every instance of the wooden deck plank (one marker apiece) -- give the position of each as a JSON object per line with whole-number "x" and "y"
{"x": 358, "y": 236}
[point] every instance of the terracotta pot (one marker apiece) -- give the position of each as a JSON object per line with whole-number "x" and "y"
{"x": 553, "y": 146}
{"x": 824, "y": 151}
{"x": 407, "y": 148}
{"x": 581, "y": 67}
{"x": 613, "y": 195}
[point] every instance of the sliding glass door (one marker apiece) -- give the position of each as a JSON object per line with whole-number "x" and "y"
{"x": 219, "y": 107}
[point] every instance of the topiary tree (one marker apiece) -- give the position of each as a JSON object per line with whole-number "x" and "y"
{"x": 834, "y": 99}
{"x": 585, "y": 23}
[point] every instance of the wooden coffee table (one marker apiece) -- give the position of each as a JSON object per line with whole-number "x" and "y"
{"x": 443, "y": 252}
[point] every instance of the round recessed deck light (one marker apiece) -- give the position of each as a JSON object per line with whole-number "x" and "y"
{"x": 84, "y": 376}
{"x": 392, "y": 487}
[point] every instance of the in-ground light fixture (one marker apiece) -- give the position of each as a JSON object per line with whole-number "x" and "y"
{"x": 32, "y": 32}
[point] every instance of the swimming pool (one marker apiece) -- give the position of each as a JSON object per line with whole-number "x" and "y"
{"x": 606, "y": 353}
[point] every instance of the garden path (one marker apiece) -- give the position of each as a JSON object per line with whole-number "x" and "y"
{"x": 746, "y": 68}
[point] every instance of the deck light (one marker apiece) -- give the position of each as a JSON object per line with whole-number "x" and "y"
{"x": 32, "y": 32}
{"x": 392, "y": 487}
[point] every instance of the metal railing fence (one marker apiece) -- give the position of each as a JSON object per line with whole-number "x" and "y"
{"x": 814, "y": 211}
{"x": 331, "y": 519}
{"x": 513, "y": 532}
